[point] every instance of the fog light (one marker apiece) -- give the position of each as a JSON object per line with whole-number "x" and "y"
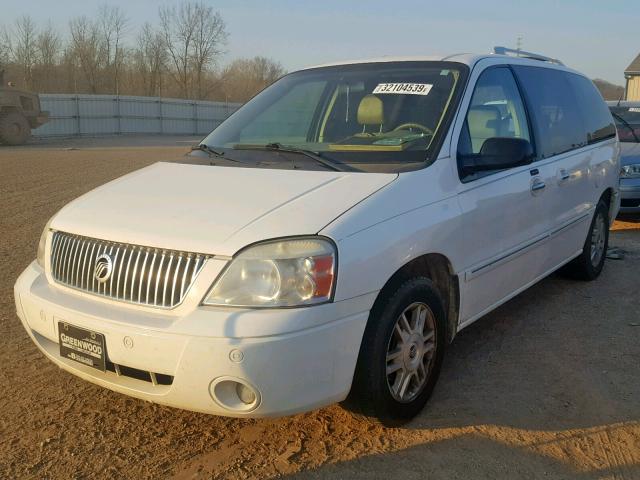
{"x": 246, "y": 394}
{"x": 234, "y": 394}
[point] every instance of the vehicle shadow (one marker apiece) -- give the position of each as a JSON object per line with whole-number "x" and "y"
{"x": 468, "y": 456}
{"x": 528, "y": 391}
{"x": 545, "y": 385}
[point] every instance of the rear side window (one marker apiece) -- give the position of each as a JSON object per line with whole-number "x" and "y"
{"x": 596, "y": 114}
{"x": 555, "y": 108}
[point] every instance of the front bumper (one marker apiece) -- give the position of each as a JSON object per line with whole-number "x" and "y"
{"x": 293, "y": 370}
{"x": 630, "y": 195}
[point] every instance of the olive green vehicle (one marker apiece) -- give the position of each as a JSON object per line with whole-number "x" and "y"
{"x": 19, "y": 113}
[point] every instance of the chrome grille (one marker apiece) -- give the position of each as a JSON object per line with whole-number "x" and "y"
{"x": 141, "y": 275}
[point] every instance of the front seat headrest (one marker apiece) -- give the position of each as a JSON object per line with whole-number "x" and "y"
{"x": 483, "y": 122}
{"x": 370, "y": 111}
{"x": 484, "y": 119}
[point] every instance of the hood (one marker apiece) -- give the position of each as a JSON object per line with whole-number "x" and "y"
{"x": 629, "y": 153}
{"x": 214, "y": 210}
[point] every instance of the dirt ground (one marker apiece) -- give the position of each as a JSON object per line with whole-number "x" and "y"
{"x": 547, "y": 386}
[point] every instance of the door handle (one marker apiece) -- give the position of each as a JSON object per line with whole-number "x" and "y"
{"x": 564, "y": 175}
{"x": 537, "y": 185}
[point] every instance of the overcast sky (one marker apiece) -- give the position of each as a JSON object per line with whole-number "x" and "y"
{"x": 599, "y": 37}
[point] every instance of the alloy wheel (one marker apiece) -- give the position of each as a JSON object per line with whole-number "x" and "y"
{"x": 411, "y": 352}
{"x": 598, "y": 239}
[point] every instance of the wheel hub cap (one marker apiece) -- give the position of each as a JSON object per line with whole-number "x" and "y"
{"x": 598, "y": 240}
{"x": 410, "y": 352}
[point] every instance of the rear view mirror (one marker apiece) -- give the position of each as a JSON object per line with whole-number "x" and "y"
{"x": 498, "y": 153}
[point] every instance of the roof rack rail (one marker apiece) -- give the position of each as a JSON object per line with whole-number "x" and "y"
{"x": 523, "y": 54}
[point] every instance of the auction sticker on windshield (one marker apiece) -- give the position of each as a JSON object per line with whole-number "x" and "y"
{"x": 403, "y": 88}
{"x": 83, "y": 346}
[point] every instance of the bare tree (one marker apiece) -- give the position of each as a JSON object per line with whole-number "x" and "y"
{"x": 243, "y": 78}
{"x": 49, "y": 47}
{"x": 210, "y": 37}
{"x": 24, "y": 50}
{"x": 178, "y": 56}
{"x": 151, "y": 57}
{"x": 113, "y": 23}
{"x": 177, "y": 26}
{"x": 266, "y": 71}
{"x": 194, "y": 35}
{"x": 69, "y": 66}
{"x": 5, "y": 47}
{"x": 85, "y": 46}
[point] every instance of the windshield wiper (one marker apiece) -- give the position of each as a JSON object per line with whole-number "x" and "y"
{"x": 278, "y": 147}
{"x": 631, "y": 129}
{"x": 203, "y": 147}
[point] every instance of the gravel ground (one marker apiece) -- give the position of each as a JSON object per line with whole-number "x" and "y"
{"x": 547, "y": 386}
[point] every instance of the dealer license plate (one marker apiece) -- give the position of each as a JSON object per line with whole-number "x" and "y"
{"x": 83, "y": 346}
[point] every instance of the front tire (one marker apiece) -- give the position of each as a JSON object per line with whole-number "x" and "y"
{"x": 401, "y": 352}
{"x": 590, "y": 263}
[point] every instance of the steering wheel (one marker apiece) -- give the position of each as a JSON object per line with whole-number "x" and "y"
{"x": 417, "y": 126}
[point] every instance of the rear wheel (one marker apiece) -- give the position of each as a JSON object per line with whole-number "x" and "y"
{"x": 14, "y": 129}
{"x": 401, "y": 352}
{"x": 594, "y": 252}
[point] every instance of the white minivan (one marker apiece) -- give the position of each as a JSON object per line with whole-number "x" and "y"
{"x": 331, "y": 237}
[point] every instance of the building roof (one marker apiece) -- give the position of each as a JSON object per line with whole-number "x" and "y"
{"x": 634, "y": 67}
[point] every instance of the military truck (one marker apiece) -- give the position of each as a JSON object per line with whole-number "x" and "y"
{"x": 19, "y": 113}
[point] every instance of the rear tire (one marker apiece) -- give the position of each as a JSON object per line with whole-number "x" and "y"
{"x": 14, "y": 129}
{"x": 590, "y": 263}
{"x": 401, "y": 353}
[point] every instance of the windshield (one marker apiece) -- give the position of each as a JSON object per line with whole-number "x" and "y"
{"x": 371, "y": 117}
{"x": 627, "y": 122}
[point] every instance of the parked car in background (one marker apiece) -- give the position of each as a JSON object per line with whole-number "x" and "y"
{"x": 627, "y": 117}
{"x": 331, "y": 237}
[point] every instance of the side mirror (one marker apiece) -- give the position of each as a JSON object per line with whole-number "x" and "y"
{"x": 498, "y": 153}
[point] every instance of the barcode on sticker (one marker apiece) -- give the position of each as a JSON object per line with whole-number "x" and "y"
{"x": 403, "y": 88}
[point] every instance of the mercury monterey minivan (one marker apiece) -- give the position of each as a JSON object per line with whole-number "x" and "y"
{"x": 331, "y": 237}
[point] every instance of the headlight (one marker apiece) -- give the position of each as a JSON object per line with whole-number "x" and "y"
{"x": 630, "y": 171}
{"x": 284, "y": 273}
{"x": 42, "y": 244}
